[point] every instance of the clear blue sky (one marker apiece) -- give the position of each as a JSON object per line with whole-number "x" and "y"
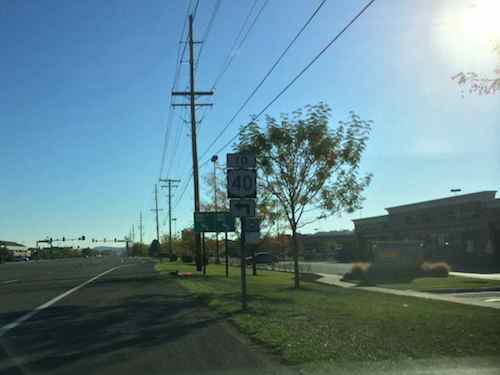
{"x": 85, "y": 92}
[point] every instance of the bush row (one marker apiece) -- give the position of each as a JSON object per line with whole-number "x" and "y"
{"x": 367, "y": 272}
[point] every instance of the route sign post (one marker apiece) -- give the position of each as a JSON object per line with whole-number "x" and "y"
{"x": 242, "y": 191}
{"x": 241, "y": 183}
{"x": 242, "y": 207}
{"x": 241, "y": 160}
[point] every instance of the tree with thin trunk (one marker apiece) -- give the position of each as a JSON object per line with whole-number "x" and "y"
{"x": 304, "y": 164}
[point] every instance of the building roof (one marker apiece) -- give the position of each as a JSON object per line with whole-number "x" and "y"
{"x": 482, "y": 196}
{"x": 371, "y": 220}
{"x": 10, "y": 243}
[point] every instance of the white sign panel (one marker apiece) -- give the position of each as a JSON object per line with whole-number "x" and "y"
{"x": 241, "y": 160}
{"x": 242, "y": 207}
{"x": 241, "y": 183}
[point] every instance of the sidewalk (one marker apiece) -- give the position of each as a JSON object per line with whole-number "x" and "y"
{"x": 336, "y": 281}
{"x": 485, "y": 276}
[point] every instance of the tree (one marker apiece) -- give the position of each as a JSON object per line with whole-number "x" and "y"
{"x": 216, "y": 184}
{"x": 3, "y": 253}
{"x": 303, "y": 163}
{"x": 154, "y": 248}
{"x": 481, "y": 85}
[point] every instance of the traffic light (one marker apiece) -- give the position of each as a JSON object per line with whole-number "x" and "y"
{"x": 82, "y": 238}
{"x": 64, "y": 239}
{"x": 115, "y": 240}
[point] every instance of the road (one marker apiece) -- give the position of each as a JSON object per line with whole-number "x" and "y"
{"x": 129, "y": 320}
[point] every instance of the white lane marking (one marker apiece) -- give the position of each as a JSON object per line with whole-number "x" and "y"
{"x": 9, "y": 282}
{"x": 29, "y": 315}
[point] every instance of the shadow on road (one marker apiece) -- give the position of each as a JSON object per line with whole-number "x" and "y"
{"x": 67, "y": 333}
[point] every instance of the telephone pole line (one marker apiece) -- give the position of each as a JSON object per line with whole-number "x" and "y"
{"x": 171, "y": 183}
{"x": 156, "y": 209}
{"x": 141, "y": 227}
{"x": 192, "y": 94}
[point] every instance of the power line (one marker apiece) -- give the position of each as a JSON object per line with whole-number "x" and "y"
{"x": 188, "y": 180}
{"x": 237, "y": 44}
{"x": 195, "y": 10}
{"x": 177, "y": 136}
{"x": 174, "y": 84}
{"x": 207, "y": 31}
{"x": 252, "y": 94}
{"x": 339, "y": 34}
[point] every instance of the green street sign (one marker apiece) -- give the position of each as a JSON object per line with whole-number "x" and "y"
{"x": 213, "y": 222}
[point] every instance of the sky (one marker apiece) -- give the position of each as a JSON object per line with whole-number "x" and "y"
{"x": 85, "y": 94}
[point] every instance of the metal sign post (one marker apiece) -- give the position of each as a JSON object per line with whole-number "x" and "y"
{"x": 243, "y": 265}
{"x": 227, "y": 254}
{"x": 203, "y": 254}
{"x": 242, "y": 191}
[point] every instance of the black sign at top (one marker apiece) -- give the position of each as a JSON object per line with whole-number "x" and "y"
{"x": 241, "y": 160}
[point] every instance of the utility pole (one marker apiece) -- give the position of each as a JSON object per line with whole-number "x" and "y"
{"x": 170, "y": 184}
{"x": 192, "y": 94}
{"x": 133, "y": 233}
{"x": 141, "y": 228}
{"x": 156, "y": 209}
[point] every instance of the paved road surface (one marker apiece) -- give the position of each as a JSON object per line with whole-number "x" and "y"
{"x": 129, "y": 321}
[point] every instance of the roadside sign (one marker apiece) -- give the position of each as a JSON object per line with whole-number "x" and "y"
{"x": 251, "y": 225}
{"x": 241, "y": 160}
{"x": 213, "y": 222}
{"x": 242, "y": 207}
{"x": 241, "y": 183}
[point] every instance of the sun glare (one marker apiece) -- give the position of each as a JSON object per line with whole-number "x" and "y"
{"x": 467, "y": 32}
{"x": 481, "y": 19}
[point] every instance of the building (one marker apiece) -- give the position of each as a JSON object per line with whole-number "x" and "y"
{"x": 463, "y": 230}
{"x": 328, "y": 245}
{"x": 14, "y": 250}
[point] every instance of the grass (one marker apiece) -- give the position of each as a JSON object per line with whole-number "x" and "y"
{"x": 325, "y": 323}
{"x": 436, "y": 283}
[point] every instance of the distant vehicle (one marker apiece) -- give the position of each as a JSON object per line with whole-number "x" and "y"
{"x": 262, "y": 258}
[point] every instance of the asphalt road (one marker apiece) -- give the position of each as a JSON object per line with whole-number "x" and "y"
{"x": 128, "y": 321}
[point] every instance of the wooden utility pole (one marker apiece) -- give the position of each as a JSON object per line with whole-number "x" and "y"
{"x": 192, "y": 94}
{"x": 170, "y": 184}
{"x": 141, "y": 228}
{"x": 156, "y": 210}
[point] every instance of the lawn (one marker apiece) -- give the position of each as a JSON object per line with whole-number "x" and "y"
{"x": 325, "y": 323}
{"x": 436, "y": 283}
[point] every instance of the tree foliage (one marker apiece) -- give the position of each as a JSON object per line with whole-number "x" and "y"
{"x": 216, "y": 184}
{"x": 302, "y": 163}
{"x": 478, "y": 84}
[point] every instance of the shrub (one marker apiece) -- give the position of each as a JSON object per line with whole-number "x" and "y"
{"x": 173, "y": 258}
{"x": 187, "y": 259}
{"x": 438, "y": 269}
{"x": 359, "y": 271}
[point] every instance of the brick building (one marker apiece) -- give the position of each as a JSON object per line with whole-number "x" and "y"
{"x": 463, "y": 230}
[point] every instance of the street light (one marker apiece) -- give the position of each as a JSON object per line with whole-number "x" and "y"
{"x": 214, "y": 160}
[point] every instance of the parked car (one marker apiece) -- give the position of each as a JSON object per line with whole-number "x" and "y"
{"x": 261, "y": 258}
